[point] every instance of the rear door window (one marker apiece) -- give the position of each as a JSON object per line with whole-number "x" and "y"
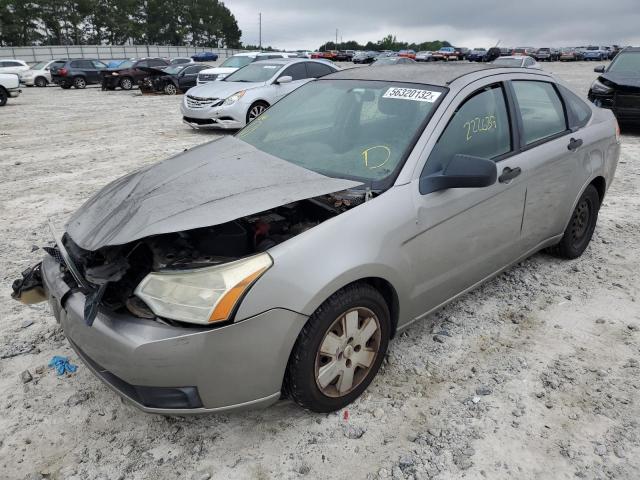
{"x": 479, "y": 127}
{"x": 541, "y": 110}
{"x": 317, "y": 70}
{"x": 297, "y": 71}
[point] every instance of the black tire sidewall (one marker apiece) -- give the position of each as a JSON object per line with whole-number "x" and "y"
{"x": 75, "y": 83}
{"x": 4, "y": 96}
{"x": 301, "y": 381}
{"x": 569, "y": 248}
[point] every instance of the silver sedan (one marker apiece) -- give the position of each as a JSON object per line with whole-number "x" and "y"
{"x": 233, "y": 102}
{"x": 284, "y": 259}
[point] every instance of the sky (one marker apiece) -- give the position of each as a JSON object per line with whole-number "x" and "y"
{"x": 306, "y": 24}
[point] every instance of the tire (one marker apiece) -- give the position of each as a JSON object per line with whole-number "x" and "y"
{"x": 583, "y": 221}
{"x": 256, "y": 110}
{"x": 79, "y": 83}
{"x": 126, "y": 83}
{"x": 4, "y": 96}
{"x": 40, "y": 82}
{"x": 324, "y": 382}
{"x": 170, "y": 89}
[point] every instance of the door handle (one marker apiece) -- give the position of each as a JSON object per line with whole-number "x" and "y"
{"x": 574, "y": 144}
{"x": 509, "y": 174}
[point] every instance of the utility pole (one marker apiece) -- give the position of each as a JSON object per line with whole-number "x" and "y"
{"x": 336, "y": 45}
{"x": 260, "y": 30}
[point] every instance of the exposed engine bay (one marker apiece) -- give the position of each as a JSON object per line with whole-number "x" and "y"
{"x": 115, "y": 271}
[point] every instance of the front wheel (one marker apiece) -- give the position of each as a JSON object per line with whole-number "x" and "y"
{"x": 4, "y": 96}
{"x": 170, "y": 89}
{"x": 340, "y": 349}
{"x": 583, "y": 221}
{"x": 41, "y": 82}
{"x": 126, "y": 83}
{"x": 256, "y": 110}
{"x": 79, "y": 83}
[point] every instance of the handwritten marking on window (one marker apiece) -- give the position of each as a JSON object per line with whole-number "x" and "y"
{"x": 480, "y": 125}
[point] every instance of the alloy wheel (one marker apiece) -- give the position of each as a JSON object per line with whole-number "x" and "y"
{"x": 256, "y": 111}
{"x": 347, "y": 352}
{"x": 126, "y": 84}
{"x": 170, "y": 89}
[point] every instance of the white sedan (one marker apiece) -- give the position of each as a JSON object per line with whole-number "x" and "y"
{"x": 242, "y": 96}
{"x": 38, "y": 75}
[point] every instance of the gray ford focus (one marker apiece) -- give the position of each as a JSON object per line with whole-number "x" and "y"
{"x": 282, "y": 260}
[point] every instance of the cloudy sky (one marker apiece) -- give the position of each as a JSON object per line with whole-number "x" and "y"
{"x": 306, "y": 24}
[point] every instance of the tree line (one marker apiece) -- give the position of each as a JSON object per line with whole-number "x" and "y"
{"x": 94, "y": 22}
{"x": 387, "y": 43}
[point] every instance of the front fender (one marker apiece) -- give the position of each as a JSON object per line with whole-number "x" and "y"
{"x": 364, "y": 242}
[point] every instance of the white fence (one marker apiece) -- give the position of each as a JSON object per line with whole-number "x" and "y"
{"x": 45, "y": 52}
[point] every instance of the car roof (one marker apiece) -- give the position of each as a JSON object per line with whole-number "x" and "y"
{"x": 630, "y": 49}
{"x": 287, "y": 61}
{"x": 436, "y": 74}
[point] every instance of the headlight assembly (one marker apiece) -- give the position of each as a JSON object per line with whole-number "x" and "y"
{"x": 234, "y": 98}
{"x": 204, "y": 295}
{"x": 598, "y": 87}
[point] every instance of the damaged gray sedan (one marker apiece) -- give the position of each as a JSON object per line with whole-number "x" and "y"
{"x": 282, "y": 260}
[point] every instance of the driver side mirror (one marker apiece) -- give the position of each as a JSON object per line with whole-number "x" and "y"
{"x": 463, "y": 171}
{"x": 599, "y": 69}
{"x": 284, "y": 79}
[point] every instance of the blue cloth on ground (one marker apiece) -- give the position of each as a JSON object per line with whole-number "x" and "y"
{"x": 62, "y": 365}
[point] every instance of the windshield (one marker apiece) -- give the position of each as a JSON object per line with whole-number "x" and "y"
{"x": 39, "y": 66}
{"x": 125, "y": 64}
{"x": 237, "y": 62}
{"x": 508, "y": 62}
{"x": 626, "y": 62}
{"x": 257, "y": 72}
{"x": 174, "y": 68}
{"x": 593, "y": 48}
{"x": 353, "y": 129}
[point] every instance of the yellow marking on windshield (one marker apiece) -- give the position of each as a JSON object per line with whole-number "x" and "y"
{"x": 365, "y": 156}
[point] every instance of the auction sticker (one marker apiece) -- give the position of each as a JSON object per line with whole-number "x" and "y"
{"x": 412, "y": 94}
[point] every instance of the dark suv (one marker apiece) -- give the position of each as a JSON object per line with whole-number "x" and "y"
{"x": 130, "y": 72}
{"x": 78, "y": 72}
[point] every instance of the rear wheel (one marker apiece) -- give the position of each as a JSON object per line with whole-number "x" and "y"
{"x": 126, "y": 83}
{"x": 3, "y": 97}
{"x": 170, "y": 89}
{"x": 40, "y": 82}
{"x": 79, "y": 83}
{"x": 583, "y": 221}
{"x": 340, "y": 349}
{"x": 256, "y": 110}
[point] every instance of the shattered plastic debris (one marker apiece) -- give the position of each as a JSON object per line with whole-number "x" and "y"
{"x": 62, "y": 365}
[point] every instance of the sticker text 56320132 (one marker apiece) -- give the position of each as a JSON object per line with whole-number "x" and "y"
{"x": 413, "y": 94}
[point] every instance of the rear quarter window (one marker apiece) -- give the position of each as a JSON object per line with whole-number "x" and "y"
{"x": 578, "y": 111}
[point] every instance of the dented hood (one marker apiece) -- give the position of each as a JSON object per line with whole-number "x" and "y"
{"x": 208, "y": 185}
{"x": 622, "y": 79}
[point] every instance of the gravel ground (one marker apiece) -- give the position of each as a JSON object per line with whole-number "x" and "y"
{"x": 535, "y": 375}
